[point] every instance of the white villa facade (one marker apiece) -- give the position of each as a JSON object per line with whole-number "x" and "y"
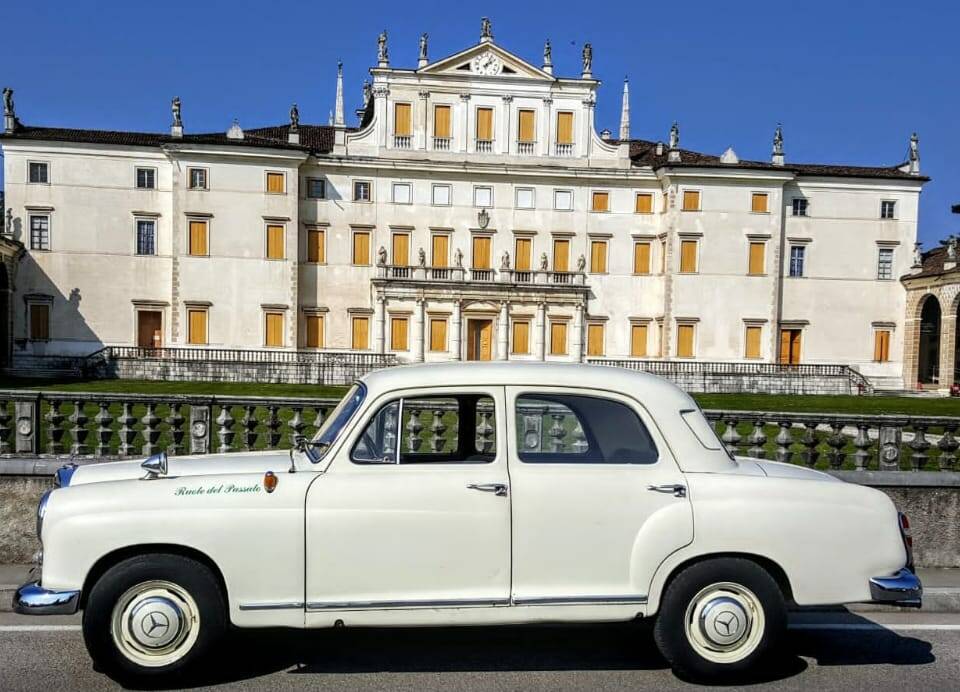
{"x": 474, "y": 213}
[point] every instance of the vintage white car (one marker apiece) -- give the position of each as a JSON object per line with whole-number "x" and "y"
{"x": 467, "y": 494}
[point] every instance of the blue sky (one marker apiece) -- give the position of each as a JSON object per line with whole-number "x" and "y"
{"x": 849, "y": 80}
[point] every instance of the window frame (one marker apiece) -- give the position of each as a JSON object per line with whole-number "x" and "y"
{"x": 46, "y": 170}
{"x": 683, "y": 199}
{"x": 267, "y": 313}
{"x": 136, "y": 177}
{"x": 891, "y": 252}
{"x": 311, "y": 180}
{"x": 636, "y": 200}
{"x": 354, "y": 187}
{"x": 409, "y": 105}
{"x": 801, "y": 250}
{"x": 891, "y": 205}
{"x": 446, "y": 333}
{"x": 321, "y": 332}
{"x": 433, "y": 194}
{"x": 594, "y": 242}
{"x": 799, "y": 206}
{"x": 696, "y": 256}
{"x": 32, "y": 305}
{"x": 206, "y": 178}
{"x": 322, "y": 254}
{"x": 762, "y": 244}
{"x": 636, "y": 245}
{"x": 206, "y": 226}
{"x": 747, "y": 326}
{"x": 533, "y": 197}
{"x": 283, "y": 240}
{"x": 693, "y": 339}
{"x": 605, "y": 193}
{"x": 477, "y": 188}
{"x": 353, "y": 318}
{"x": 567, "y": 191}
{"x": 393, "y": 192}
{"x": 405, "y": 320}
{"x": 205, "y": 311}
{"x": 881, "y": 357}
{"x": 766, "y": 202}
{"x": 267, "y": 175}
{"x": 137, "y": 220}
{"x": 353, "y": 247}
{"x": 35, "y": 247}
{"x": 554, "y": 321}
{"x": 592, "y": 325}
{"x": 514, "y": 321}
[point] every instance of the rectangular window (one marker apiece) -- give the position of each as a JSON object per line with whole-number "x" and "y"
{"x": 881, "y": 345}
{"x": 691, "y": 200}
{"x": 885, "y": 263}
{"x": 39, "y": 321}
{"x": 197, "y": 178}
{"x": 273, "y": 337}
{"x": 483, "y": 196}
{"x": 790, "y": 340}
{"x": 402, "y": 121}
{"x": 643, "y": 203}
{"x": 752, "y": 341}
{"x": 888, "y": 209}
{"x": 521, "y": 337}
{"x": 799, "y": 206}
{"x": 641, "y": 258}
{"x": 275, "y": 241}
{"x": 39, "y": 232}
{"x": 797, "y": 257}
{"x": 440, "y": 257}
{"x": 441, "y": 122}
{"x": 688, "y": 256}
{"x": 438, "y": 334}
{"x": 197, "y": 326}
{"x": 401, "y": 193}
{"x": 523, "y": 254}
{"x": 481, "y": 252}
{"x": 316, "y": 188}
{"x": 361, "y": 248}
{"x": 361, "y": 191}
{"x": 598, "y": 256}
{"x": 316, "y": 245}
{"x": 360, "y": 333}
{"x": 525, "y": 198}
{"x": 759, "y": 202}
{"x": 146, "y": 178}
{"x": 561, "y": 255}
{"x": 39, "y": 172}
{"x": 527, "y": 126}
{"x": 398, "y": 333}
{"x": 758, "y": 262}
{"x": 563, "y": 200}
{"x": 400, "y": 255}
{"x": 484, "y": 124}
{"x": 315, "y": 331}
{"x": 638, "y": 340}
{"x": 600, "y": 201}
{"x": 685, "y": 340}
{"x": 198, "y": 238}
{"x": 146, "y": 237}
{"x": 594, "y": 339}
{"x": 276, "y": 183}
{"x": 558, "y": 338}
{"x": 565, "y": 127}
{"x": 441, "y": 195}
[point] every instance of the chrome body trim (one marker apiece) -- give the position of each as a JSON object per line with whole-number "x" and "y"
{"x": 375, "y": 605}
{"x": 33, "y": 599}
{"x": 278, "y": 605}
{"x": 902, "y": 589}
{"x": 42, "y": 510}
{"x": 582, "y": 600}
{"x": 63, "y": 475}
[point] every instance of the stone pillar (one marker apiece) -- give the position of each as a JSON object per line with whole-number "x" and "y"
{"x": 578, "y": 334}
{"x": 948, "y": 344}
{"x": 418, "y": 331}
{"x": 911, "y": 346}
{"x": 423, "y": 133}
{"x": 502, "y": 339}
{"x": 465, "y": 123}
{"x": 379, "y": 304}
{"x": 547, "y": 125}
{"x": 455, "y": 347}
{"x": 505, "y": 135}
{"x": 539, "y": 327}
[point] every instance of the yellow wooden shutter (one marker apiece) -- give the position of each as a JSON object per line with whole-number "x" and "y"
{"x": 881, "y": 345}
{"x": 784, "y": 346}
{"x": 360, "y": 333}
{"x": 398, "y": 333}
{"x": 314, "y": 331}
{"x": 39, "y": 321}
{"x": 485, "y": 124}
{"x": 481, "y": 252}
{"x": 361, "y": 247}
{"x": 758, "y": 202}
{"x": 641, "y": 258}
{"x": 644, "y": 203}
{"x": 558, "y": 338}
{"x": 598, "y": 256}
{"x": 523, "y": 254}
{"x": 528, "y": 132}
{"x": 565, "y": 128}
{"x": 441, "y": 248}
{"x": 316, "y": 245}
{"x": 595, "y": 340}
{"x": 401, "y": 119}
{"x": 688, "y": 255}
{"x": 275, "y": 182}
{"x": 198, "y": 237}
{"x": 274, "y": 329}
{"x": 197, "y": 326}
{"x": 638, "y": 340}
{"x": 441, "y": 121}
{"x": 274, "y": 242}
{"x": 795, "y": 337}
{"x": 561, "y": 255}
{"x": 401, "y": 249}
{"x": 685, "y": 341}
{"x": 521, "y": 337}
{"x": 757, "y": 258}
{"x": 438, "y": 334}
{"x": 752, "y": 348}
{"x": 691, "y": 200}
{"x": 600, "y": 201}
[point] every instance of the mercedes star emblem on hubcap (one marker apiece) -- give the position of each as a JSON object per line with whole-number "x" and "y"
{"x": 155, "y": 625}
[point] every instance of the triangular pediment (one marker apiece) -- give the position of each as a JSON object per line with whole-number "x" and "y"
{"x": 485, "y": 60}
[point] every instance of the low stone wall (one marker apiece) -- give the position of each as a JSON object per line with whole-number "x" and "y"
{"x": 19, "y": 496}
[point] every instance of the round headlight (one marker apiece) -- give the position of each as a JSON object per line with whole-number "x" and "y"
{"x": 42, "y": 510}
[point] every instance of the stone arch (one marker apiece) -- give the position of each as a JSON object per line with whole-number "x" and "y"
{"x": 930, "y": 317}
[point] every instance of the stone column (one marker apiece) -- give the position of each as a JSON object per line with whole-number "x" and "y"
{"x": 465, "y": 123}
{"x": 455, "y": 347}
{"x": 578, "y": 334}
{"x": 378, "y": 309}
{"x": 948, "y": 343}
{"x": 539, "y": 327}
{"x": 418, "y": 335}
{"x": 548, "y": 125}
{"x": 502, "y": 339}
{"x": 423, "y": 134}
{"x": 911, "y": 342}
{"x": 506, "y": 120}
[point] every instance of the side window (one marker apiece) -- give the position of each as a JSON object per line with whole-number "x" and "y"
{"x": 571, "y": 429}
{"x": 449, "y": 429}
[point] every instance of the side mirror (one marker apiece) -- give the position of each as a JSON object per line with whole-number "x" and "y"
{"x": 155, "y": 466}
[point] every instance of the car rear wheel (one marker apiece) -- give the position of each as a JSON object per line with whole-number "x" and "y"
{"x": 153, "y": 616}
{"x": 719, "y": 618}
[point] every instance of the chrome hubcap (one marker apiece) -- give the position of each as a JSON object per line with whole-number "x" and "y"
{"x": 155, "y": 623}
{"x": 723, "y": 621}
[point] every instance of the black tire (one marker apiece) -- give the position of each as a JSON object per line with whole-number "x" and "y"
{"x": 205, "y": 630}
{"x": 680, "y": 602}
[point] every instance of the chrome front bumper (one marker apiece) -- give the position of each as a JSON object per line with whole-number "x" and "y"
{"x": 901, "y": 589}
{"x": 33, "y": 599}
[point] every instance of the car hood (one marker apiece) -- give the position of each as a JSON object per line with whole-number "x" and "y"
{"x": 775, "y": 469}
{"x": 199, "y": 465}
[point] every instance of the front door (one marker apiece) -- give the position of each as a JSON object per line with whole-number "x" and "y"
{"x": 790, "y": 346}
{"x": 587, "y": 527}
{"x": 149, "y": 329}
{"x": 413, "y": 513}
{"x": 480, "y": 340}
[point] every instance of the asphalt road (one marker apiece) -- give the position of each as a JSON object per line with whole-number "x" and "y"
{"x": 825, "y": 651}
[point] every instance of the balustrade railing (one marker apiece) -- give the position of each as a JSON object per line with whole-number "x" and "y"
{"x": 527, "y": 276}
{"x": 441, "y": 143}
{"x": 526, "y": 148}
{"x": 481, "y": 274}
{"x": 564, "y": 149}
{"x": 484, "y": 146}
{"x": 401, "y": 141}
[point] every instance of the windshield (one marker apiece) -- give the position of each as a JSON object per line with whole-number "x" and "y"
{"x": 337, "y": 420}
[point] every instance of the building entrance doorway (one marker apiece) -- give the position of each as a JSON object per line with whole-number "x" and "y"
{"x": 480, "y": 340}
{"x": 790, "y": 346}
{"x": 149, "y": 328}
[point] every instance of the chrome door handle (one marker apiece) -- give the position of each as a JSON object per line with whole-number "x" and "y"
{"x": 675, "y": 488}
{"x": 498, "y": 489}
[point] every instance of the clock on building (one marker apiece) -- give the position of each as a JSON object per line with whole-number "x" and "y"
{"x": 487, "y": 64}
